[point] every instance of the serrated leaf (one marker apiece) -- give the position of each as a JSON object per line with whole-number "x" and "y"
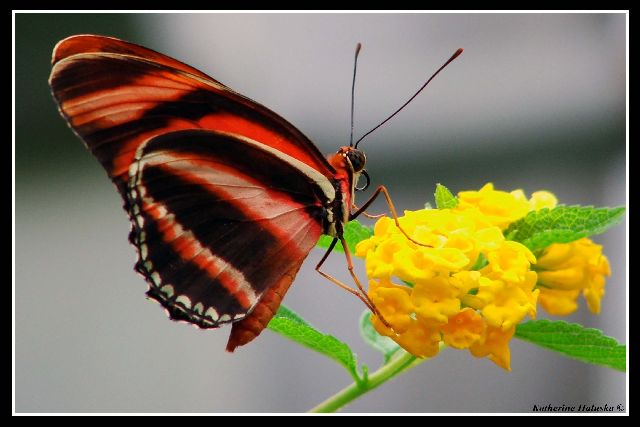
{"x": 354, "y": 233}
{"x": 444, "y": 198}
{"x": 384, "y": 345}
{"x": 562, "y": 224}
{"x": 575, "y": 341}
{"x": 290, "y": 325}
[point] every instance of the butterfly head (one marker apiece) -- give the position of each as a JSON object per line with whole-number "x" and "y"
{"x": 353, "y": 162}
{"x": 354, "y": 158}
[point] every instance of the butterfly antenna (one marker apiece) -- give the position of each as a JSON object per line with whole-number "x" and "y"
{"x": 454, "y": 56}
{"x": 353, "y": 89}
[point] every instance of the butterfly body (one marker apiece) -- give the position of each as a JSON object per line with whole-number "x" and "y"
{"x": 225, "y": 197}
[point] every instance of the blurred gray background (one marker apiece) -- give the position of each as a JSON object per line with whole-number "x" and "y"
{"x": 535, "y": 102}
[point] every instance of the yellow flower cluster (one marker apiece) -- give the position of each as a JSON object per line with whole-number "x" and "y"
{"x": 566, "y": 270}
{"x": 467, "y": 287}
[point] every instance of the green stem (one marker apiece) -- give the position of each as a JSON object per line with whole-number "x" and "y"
{"x": 397, "y": 365}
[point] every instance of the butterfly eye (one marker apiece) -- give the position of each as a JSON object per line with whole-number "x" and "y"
{"x": 357, "y": 159}
{"x": 366, "y": 185}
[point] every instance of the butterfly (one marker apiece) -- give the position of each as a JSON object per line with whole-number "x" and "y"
{"x": 226, "y": 198}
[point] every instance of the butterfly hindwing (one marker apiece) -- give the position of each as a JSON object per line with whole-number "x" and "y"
{"x": 218, "y": 220}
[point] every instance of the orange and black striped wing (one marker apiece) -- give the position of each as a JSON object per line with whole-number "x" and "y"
{"x": 225, "y": 197}
{"x": 218, "y": 220}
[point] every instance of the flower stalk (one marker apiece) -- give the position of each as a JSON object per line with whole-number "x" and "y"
{"x": 399, "y": 364}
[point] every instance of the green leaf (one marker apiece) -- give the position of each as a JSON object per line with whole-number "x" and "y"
{"x": 575, "y": 341}
{"x": 384, "y": 345}
{"x": 289, "y": 324}
{"x": 480, "y": 263}
{"x": 562, "y": 224}
{"x": 286, "y": 313}
{"x": 444, "y": 198}
{"x": 354, "y": 233}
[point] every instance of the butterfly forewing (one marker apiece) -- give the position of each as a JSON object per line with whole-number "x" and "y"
{"x": 115, "y": 101}
{"x": 226, "y": 198}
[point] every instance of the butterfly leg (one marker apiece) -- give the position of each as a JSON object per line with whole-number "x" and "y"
{"x": 383, "y": 190}
{"x": 338, "y": 282}
{"x": 362, "y": 295}
{"x": 376, "y": 216}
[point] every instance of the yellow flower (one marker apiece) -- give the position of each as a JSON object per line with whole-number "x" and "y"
{"x": 435, "y": 299}
{"x": 495, "y": 345}
{"x": 466, "y": 286}
{"x": 542, "y": 199}
{"x": 499, "y": 208}
{"x": 505, "y": 305}
{"x": 511, "y": 262}
{"x": 558, "y": 302}
{"x": 447, "y": 300}
{"x": 464, "y": 329}
{"x": 416, "y": 334}
{"x": 394, "y": 303}
{"x": 565, "y": 269}
{"x": 422, "y": 339}
{"x": 465, "y": 281}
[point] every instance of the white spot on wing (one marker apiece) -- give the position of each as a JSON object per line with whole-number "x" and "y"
{"x": 162, "y": 211}
{"x": 155, "y": 277}
{"x": 184, "y": 300}
{"x": 198, "y": 308}
{"x": 212, "y": 313}
{"x": 167, "y": 290}
{"x": 133, "y": 169}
